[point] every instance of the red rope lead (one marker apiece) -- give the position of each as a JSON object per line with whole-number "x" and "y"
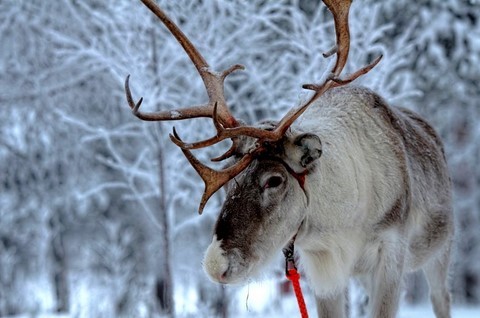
{"x": 294, "y": 277}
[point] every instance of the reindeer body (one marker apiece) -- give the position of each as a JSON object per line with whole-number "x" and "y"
{"x": 379, "y": 205}
{"x": 362, "y": 187}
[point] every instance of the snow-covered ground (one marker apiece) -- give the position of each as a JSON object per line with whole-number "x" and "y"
{"x": 405, "y": 312}
{"x": 426, "y": 312}
{"x": 254, "y": 302}
{"x": 421, "y": 311}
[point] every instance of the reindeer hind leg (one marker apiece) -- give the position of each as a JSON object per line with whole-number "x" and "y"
{"x": 436, "y": 272}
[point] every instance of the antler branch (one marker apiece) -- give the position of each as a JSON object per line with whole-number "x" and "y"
{"x": 213, "y": 179}
{"x": 213, "y": 81}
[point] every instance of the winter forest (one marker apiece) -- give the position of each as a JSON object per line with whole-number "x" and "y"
{"x": 98, "y": 210}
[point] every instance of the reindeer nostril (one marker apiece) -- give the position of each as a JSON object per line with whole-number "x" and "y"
{"x": 223, "y": 276}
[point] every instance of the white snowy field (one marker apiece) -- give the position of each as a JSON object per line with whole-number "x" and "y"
{"x": 254, "y": 302}
{"x": 426, "y": 312}
{"x": 405, "y": 312}
{"x": 259, "y": 299}
{"x": 289, "y": 309}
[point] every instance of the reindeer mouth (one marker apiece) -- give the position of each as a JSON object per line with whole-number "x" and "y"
{"x": 226, "y": 267}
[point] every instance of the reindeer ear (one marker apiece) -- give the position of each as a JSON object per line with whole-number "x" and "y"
{"x": 309, "y": 147}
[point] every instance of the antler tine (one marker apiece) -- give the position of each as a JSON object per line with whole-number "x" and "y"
{"x": 213, "y": 179}
{"x": 222, "y": 134}
{"x": 180, "y": 114}
{"x": 350, "y": 78}
{"x": 340, "y": 10}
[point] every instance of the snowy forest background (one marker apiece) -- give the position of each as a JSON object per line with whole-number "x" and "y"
{"x": 98, "y": 209}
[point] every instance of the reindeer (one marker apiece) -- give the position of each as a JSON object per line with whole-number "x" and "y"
{"x": 361, "y": 188}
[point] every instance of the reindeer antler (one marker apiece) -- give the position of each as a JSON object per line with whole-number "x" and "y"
{"x": 226, "y": 125}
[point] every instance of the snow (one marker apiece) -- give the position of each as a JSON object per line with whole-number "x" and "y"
{"x": 427, "y": 312}
{"x": 291, "y": 311}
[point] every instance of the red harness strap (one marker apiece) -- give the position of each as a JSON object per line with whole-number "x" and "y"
{"x": 293, "y": 275}
{"x": 290, "y": 269}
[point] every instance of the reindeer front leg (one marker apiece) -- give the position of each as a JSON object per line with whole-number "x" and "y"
{"x": 387, "y": 277}
{"x": 332, "y": 307}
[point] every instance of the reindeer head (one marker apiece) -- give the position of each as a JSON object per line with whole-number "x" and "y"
{"x": 265, "y": 180}
{"x": 264, "y": 206}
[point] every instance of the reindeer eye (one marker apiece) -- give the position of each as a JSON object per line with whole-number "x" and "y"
{"x": 273, "y": 182}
